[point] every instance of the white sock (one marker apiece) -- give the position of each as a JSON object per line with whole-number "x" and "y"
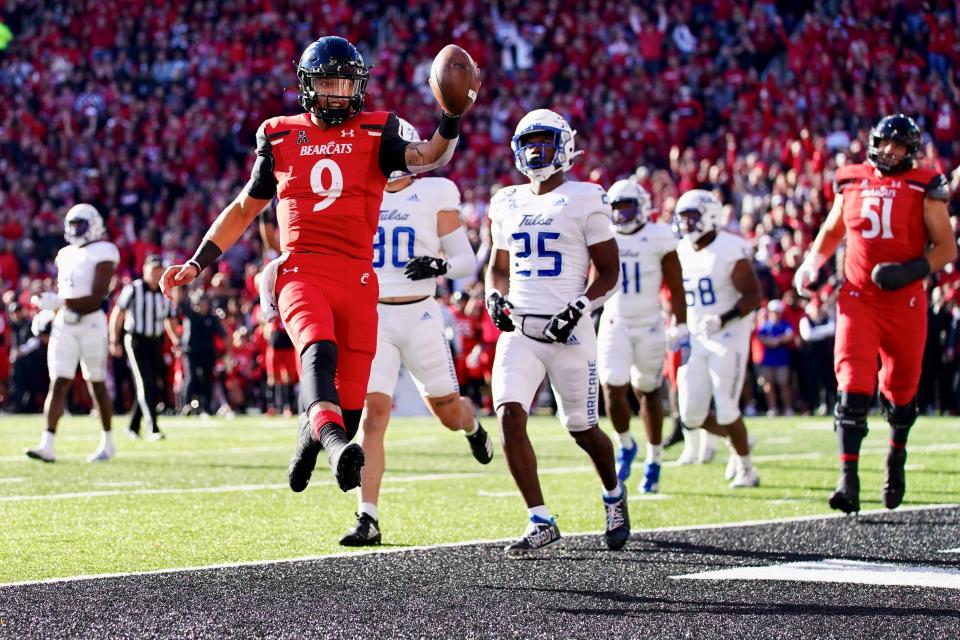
{"x": 370, "y": 509}
{"x": 106, "y": 439}
{"x": 654, "y": 452}
{"x": 626, "y": 440}
{"x": 615, "y": 494}
{"x": 46, "y": 440}
{"x": 744, "y": 462}
{"x": 476, "y": 427}
{"x": 541, "y": 512}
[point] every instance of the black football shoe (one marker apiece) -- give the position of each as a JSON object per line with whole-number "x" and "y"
{"x": 896, "y": 482}
{"x": 365, "y": 533}
{"x": 846, "y": 497}
{"x": 618, "y": 522}
{"x": 538, "y": 535}
{"x": 345, "y": 457}
{"x": 304, "y": 456}
{"x": 481, "y": 445}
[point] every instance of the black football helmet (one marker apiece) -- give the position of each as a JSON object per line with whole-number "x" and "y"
{"x": 332, "y": 57}
{"x": 901, "y": 129}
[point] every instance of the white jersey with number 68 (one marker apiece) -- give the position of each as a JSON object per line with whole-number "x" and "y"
{"x": 708, "y": 276}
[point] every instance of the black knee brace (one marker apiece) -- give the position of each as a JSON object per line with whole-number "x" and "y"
{"x": 351, "y": 421}
{"x": 899, "y": 416}
{"x": 851, "y": 411}
{"x": 319, "y": 364}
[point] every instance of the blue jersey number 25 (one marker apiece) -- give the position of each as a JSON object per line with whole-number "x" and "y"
{"x": 542, "y": 252}
{"x": 396, "y": 239}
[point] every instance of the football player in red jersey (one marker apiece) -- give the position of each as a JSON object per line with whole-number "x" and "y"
{"x": 894, "y": 217}
{"x": 327, "y": 167}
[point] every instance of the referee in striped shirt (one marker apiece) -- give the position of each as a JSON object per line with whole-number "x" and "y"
{"x": 144, "y": 314}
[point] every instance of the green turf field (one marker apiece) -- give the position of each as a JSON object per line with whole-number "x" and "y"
{"x": 215, "y": 491}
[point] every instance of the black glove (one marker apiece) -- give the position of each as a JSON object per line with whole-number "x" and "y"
{"x": 423, "y": 267}
{"x": 499, "y": 309}
{"x": 561, "y": 326}
{"x": 891, "y": 276}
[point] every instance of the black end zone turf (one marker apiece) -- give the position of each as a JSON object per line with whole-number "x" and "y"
{"x": 581, "y": 591}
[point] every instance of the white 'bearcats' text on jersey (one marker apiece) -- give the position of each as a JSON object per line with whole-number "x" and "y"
{"x": 76, "y": 267}
{"x": 708, "y": 276}
{"x": 641, "y": 271}
{"x": 547, "y": 237}
{"x": 408, "y": 228}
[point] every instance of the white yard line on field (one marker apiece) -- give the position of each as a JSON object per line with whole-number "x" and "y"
{"x": 470, "y": 543}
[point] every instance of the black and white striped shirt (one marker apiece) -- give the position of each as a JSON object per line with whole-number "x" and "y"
{"x": 145, "y": 309}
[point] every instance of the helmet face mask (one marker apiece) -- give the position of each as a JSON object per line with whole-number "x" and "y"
{"x": 903, "y": 131}
{"x": 697, "y": 213}
{"x": 332, "y": 79}
{"x": 82, "y": 225}
{"x": 631, "y": 205}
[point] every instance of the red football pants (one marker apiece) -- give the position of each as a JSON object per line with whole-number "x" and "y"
{"x": 283, "y": 364}
{"x": 893, "y": 326}
{"x": 323, "y": 297}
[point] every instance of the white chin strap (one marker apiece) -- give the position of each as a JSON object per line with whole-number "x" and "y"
{"x": 542, "y": 174}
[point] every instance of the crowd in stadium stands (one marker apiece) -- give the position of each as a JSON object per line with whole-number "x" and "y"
{"x": 148, "y": 110}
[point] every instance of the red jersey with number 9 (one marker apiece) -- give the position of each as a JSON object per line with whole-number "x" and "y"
{"x": 329, "y": 183}
{"x": 884, "y": 219}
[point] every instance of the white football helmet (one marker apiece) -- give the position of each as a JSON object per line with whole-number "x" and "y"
{"x": 529, "y": 158}
{"x": 629, "y": 218}
{"x": 409, "y": 133}
{"x": 82, "y": 225}
{"x": 697, "y": 212}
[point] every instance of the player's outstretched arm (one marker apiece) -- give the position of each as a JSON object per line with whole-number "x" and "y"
{"x": 427, "y": 155}
{"x": 824, "y": 246}
{"x": 223, "y": 233}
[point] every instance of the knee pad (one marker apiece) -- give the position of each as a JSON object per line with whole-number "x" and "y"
{"x": 351, "y": 421}
{"x": 319, "y": 364}
{"x": 899, "y": 416}
{"x": 851, "y": 411}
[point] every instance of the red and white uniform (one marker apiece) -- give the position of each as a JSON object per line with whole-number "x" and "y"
{"x": 883, "y": 215}
{"x": 329, "y": 184}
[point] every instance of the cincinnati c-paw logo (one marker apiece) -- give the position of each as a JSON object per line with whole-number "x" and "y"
{"x": 364, "y": 279}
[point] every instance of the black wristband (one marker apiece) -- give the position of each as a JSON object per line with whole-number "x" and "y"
{"x": 449, "y": 126}
{"x": 916, "y": 269}
{"x": 732, "y": 314}
{"x": 206, "y": 255}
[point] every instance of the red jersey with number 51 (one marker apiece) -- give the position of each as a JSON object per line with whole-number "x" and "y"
{"x": 329, "y": 183}
{"x": 883, "y": 215}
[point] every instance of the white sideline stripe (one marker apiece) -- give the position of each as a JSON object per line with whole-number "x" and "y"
{"x": 156, "y": 453}
{"x": 957, "y": 550}
{"x": 233, "y": 488}
{"x": 842, "y": 571}
{"x": 454, "y": 545}
{"x": 12, "y": 480}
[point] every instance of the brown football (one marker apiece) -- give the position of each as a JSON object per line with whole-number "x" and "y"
{"x": 454, "y": 79}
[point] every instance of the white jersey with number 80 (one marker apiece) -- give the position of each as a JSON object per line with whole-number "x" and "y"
{"x": 408, "y": 228}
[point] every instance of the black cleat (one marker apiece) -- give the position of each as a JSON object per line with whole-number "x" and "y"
{"x": 345, "y": 464}
{"x": 481, "y": 445}
{"x": 896, "y": 482}
{"x": 538, "y": 535}
{"x": 675, "y": 436}
{"x": 618, "y": 522}
{"x": 364, "y": 534}
{"x": 846, "y": 498}
{"x": 304, "y": 456}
